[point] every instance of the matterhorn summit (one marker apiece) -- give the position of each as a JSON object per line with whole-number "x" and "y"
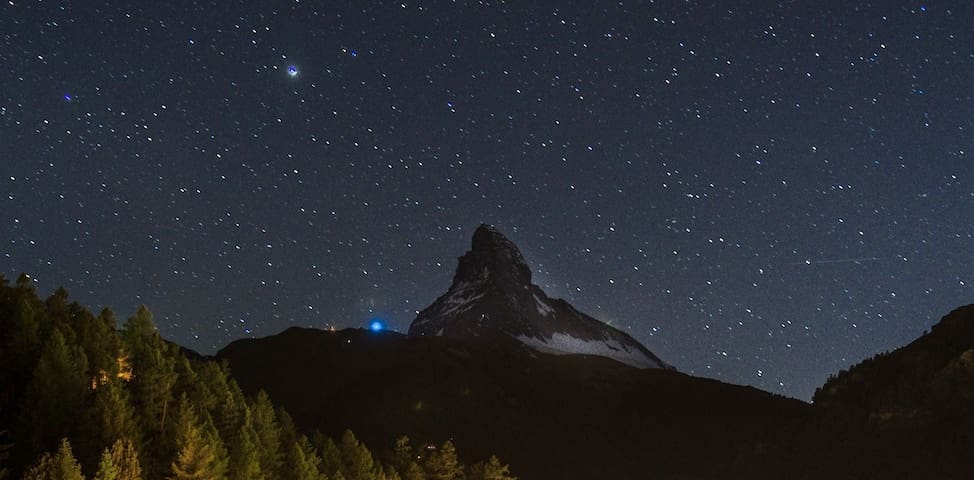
{"x": 492, "y": 294}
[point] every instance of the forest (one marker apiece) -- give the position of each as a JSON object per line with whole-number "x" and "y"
{"x": 81, "y": 397}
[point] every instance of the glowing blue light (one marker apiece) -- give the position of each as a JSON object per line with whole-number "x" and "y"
{"x": 292, "y": 71}
{"x": 68, "y": 97}
{"x": 376, "y": 326}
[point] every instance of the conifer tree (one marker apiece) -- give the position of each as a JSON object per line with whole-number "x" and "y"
{"x": 102, "y": 347}
{"x": 59, "y": 313}
{"x": 55, "y": 397}
{"x": 186, "y": 380}
{"x": 214, "y": 388}
{"x": 61, "y": 466}
{"x": 111, "y": 415}
{"x": 387, "y": 473}
{"x": 443, "y": 463}
{"x": 289, "y": 431}
{"x": 268, "y": 436}
{"x": 357, "y": 461}
{"x": 331, "y": 456}
{"x": 106, "y": 467}
{"x": 126, "y": 460}
{"x": 412, "y": 471}
{"x": 244, "y": 455}
{"x": 492, "y": 469}
{"x": 302, "y": 463}
{"x": 402, "y": 453}
{"x": 232, "y": 411}
{"x": 24, "y": 336}
{"x": 154, "y": 371}
{"x": 199, "y": 455}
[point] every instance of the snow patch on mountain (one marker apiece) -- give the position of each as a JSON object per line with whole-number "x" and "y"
{"x": 563, "y": 344}
{"x": 543, "y": 307}
{"x": 463, "y": 297}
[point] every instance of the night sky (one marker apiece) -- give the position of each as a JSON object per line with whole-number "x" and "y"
{"x": 761, "y": 192}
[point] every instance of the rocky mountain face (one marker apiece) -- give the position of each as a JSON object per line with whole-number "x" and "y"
{"x": 492, "y": 295}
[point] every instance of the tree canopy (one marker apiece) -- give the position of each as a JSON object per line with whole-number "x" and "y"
{"x": 135, "y": 407}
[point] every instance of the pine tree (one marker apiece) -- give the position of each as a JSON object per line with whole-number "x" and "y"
{"x": 331, "y": 456}
{"x": 56, "y": 394}
{"x": 289, "y": 431}
{"x": 154, "y": 371}
{"x": 24, "y": 337}
{"x": 186, "y": 380}
{"x": 198, "y": 454}
{"x": 443, "y": 463}
{"x": 412, "y": 471}
{"x": 244, "y": 455}
{"x": 391, "y": 473}
{"x": 402, "y": 453}
{"x": 268, "y": 436}
{"x": 302, "y": 463}
{"x": 106, "y": 467}
{"x": 126, "y": 460}
{"x": 59, "y": 313}
{"x": 357, "y": 461}
{"x": 404, "y": 460}
{"x": 212, "y": 381}
{"x": 102, "y": 346}
{"x": 232, "y": 411}
{"x": 61, "y": 466}
{"x": 111, "y": 415}
{"x": 493, "y": 469}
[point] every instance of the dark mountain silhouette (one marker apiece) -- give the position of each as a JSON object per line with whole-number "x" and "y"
{"x": 912, "y": 407}
{"x": 492, "y": 295}
{"x": 550, "y": 416}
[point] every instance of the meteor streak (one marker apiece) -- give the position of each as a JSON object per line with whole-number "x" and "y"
{"x": 838, "y": 260}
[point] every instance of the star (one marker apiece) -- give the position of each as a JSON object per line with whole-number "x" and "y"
{"x": 292, "y": 71}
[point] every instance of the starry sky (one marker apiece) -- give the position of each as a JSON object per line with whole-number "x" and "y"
{"x": 761, "y": 192}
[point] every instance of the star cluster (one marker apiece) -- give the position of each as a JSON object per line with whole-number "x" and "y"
{"x": 763, "y": 192}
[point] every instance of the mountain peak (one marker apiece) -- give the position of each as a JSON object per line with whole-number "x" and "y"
{"x": 492, "y": 295}
{"x": 495, "y": 257}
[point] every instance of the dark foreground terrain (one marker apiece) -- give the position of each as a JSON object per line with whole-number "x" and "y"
{"x": 568, "y": 417}
{"x": 905, "y": 414}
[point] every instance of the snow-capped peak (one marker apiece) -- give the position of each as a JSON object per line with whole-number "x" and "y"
{"x": 492, "y": 293}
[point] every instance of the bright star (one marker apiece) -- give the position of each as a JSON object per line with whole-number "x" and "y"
{"x": 292, "y": 71}
{"x": 376, "y": 326}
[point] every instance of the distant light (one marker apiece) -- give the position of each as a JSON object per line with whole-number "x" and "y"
{"x": 292, "y": 71}
{"x": 68, "y": 97}
{"x": 376, "y": 326}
